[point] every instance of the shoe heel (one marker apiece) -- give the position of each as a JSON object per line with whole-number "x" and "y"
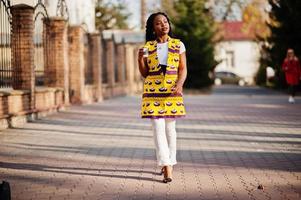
{"x": 162, "y": 170}
{"x": 167, "y": 174}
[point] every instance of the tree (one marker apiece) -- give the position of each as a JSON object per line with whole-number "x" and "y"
{"x": 110, "y": 15}
{"x": 193, "y": 24}
{"x": 285, "y": 33}
{"x": 254, "y": 17}
{"x": 168, "y": 7}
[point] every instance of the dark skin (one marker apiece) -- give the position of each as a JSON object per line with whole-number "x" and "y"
{"x": 161, "y": 28}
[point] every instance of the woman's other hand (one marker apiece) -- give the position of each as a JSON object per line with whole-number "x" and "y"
{"x": 140, "y": 54}
{"x": 177, "y": 89}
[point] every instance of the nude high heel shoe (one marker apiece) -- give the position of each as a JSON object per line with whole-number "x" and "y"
{"x": 167, "y": 174}
{"x": 162, "y": 170}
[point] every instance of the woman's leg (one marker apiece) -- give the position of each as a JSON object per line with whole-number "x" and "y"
{"x": 170, "y": 126}
{"x": 291, "y": 90}
{"x": 294, "y": 87}
{"x": 162, "y": 150}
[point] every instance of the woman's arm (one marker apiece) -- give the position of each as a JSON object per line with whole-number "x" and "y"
{"x": 142, "y": 63}
{"x": 284, "y": 65}
{"x": 299, "y": 68}
{"x": 182, "y": 74}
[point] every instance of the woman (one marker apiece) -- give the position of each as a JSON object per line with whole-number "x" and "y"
{"x": 291, "y": 68}
{"x": 162, "y": 62}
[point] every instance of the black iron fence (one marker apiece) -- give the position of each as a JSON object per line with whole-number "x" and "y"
{"x": 124, "y": 62}
{"x": 116, "y": 70}
{"x": 5, "y": 45}
{"x": 62, "y": 9}
{"x": 40, "y": 43}
{"x": 88, "y": 60}
{"x": 104, "y": 72}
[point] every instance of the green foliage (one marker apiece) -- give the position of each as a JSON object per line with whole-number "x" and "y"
{"x": 285, "y": 33}
{"x": 193, "y": 25}
{"x": 110, "y": 15}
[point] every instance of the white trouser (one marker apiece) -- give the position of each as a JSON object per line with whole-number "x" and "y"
{"x": 165, "y": 137}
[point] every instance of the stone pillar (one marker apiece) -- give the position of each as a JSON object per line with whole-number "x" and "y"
{"x": 96, "y": 63}
{"x": 76, "y": 64}
{"x": 23, "y": 50}
{"x": 110, "y": 63}
{"x": 130, "y": 71}
{"x": 57, "y": 63}
{"x": 136, "y": 76}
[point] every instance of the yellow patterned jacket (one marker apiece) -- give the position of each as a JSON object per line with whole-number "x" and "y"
{"x": 158, "y": 101}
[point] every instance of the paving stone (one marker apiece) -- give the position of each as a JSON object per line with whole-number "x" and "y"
{"x": 228, "y": 145}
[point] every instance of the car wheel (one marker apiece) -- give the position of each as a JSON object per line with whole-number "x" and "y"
{"x": 217, "y": 81}
{"x": 241, "y": 83}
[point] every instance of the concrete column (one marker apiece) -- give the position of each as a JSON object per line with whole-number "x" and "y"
{"x": 23, "y": 49}
{"x": 57, "y": 63}
{"x": 76, "y": 64}
{"x": 137, "y": 76}
{"x": 95, "y": 46}
{"x": 130, "y": 70}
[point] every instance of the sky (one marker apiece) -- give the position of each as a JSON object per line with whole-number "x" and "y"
{"x": 220, "y": 9}
{"x": 133, "y": 7}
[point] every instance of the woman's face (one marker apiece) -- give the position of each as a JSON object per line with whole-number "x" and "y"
{"x": 290, "y": 53}
{"x": 161, "y": 25}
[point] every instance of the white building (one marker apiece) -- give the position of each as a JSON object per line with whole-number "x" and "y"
{"x": 237, "y": 52}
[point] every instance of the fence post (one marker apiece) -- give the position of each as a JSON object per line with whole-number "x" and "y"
{"x": 76, "y": 64}
{"x": 57, "y": 66}
{"x": 96, "y": 63}
{"x": 23, "y": 50}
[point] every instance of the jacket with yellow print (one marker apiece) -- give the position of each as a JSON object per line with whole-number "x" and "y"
{"x": 158, "y": 100}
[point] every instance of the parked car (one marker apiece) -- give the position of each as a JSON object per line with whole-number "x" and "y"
{"x": 224, "y": 77}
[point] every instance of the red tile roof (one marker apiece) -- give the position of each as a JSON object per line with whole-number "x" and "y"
{"x": 234, "y": 31}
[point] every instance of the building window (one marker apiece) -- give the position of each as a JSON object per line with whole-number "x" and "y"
{"x": 230, "y": 59}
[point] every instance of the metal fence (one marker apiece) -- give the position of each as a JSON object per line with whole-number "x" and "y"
{"x": 5, "y": 45}
{"x": 62, "y": 9}
{"x": 125, "y": 76}
{"x": 88, "y": 60}
{"x": 104, "y": 71}
{"x": 40, "y": 43}
{"x": 116, "y": 70}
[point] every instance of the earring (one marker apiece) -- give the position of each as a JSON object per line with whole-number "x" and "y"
{"x": 154, "y": 33}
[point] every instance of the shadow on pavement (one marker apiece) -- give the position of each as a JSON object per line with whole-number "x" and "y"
{"x": 110, "y": 173}
{"x": 284, "y": 161}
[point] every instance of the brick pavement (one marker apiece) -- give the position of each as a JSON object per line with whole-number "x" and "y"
{"x": 227, "y": 145}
